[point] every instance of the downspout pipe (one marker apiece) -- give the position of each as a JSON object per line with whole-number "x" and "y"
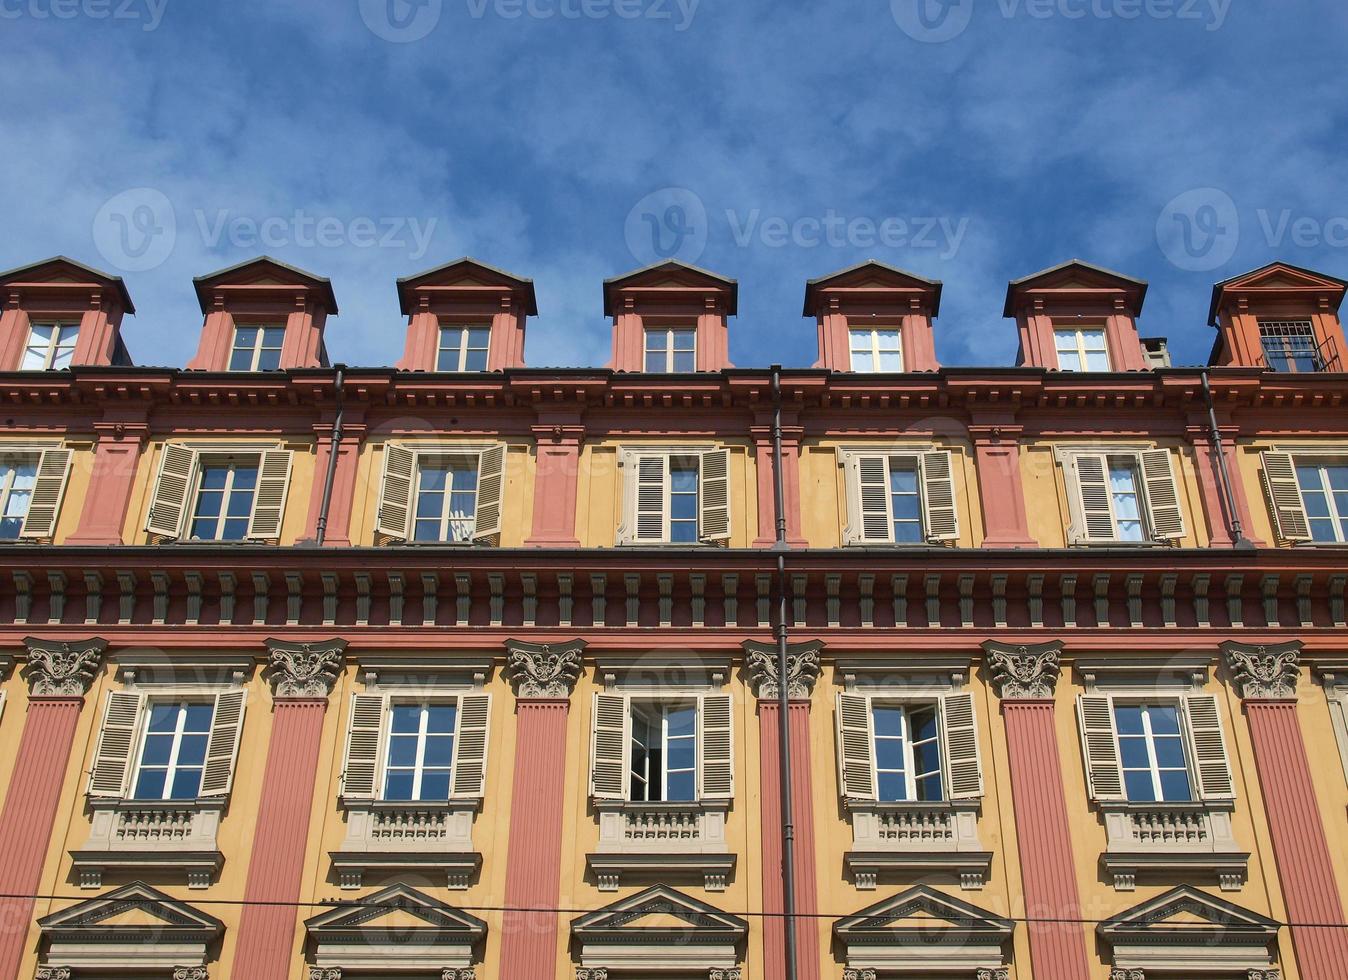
{"x": 1234, "y": 524}
{"x": 783, "y": 687}
{"x": 321, "y": 530}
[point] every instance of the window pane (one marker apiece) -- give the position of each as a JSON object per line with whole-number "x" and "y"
{"x": 889, "y": 753}
{"x": 893, "y": 786}
{"x": 887, "y": 340}
{"x": 475, "y": 360}
{"x": 150, "y": 784}
{"x": 1128, "y": 719}
{"x": 891, "y": 361}
{"x": 435, "y": 786}
{"x": 186, "y": 783}
{"x": 199, "y": 717}
{"x": 406, "y": 718}
{"x": 683, "y": 532}
{"x": 683, "y": 478}
{"x": 907, "y": 507}
{"x": 1170, "y": 753}
{"x": 269, "y": 360}
{"x": 1164, "y": 719}
{"x": 681, "y": 721}
{"x": 245, "y": 338}
{"x": 1097, "y": 361}
{"x": 163, "y": 718}
{"x": 1070, "y": 361}
{"x": 1138, "y": 785}
{"x": 402, "y": 750}
{"x": 440, "y": 718}
{"x": 214, "y": 477}
{"x": 10, "y": 528}
{"x": 192, "y": 750}
{"x": 157, "y": 751}
{"x": 685, "y": 362}
{"x": 398, "y": 786}
{"x": 926, "y": 757}
{"x": 1133, "y": 753}
{"x": 234, "y": 530}
{"x": 439, "y": 750}
{"x": 1093, "y": 339}
{"x": 888, "y": 721}
{"x": 924, "y": 724}
{"x": 929, "y": 787}
{"x": 683, "y": 507}
{"x": 681, "y": 787}
{"x": 1175, "y": 786}
{"x": 684, "y": 340}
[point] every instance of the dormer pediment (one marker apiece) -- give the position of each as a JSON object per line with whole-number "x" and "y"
{"x": 670, "y": 283}
{"x": 465, "y": 280}
{"x": 1279, "y": 282}
{"x": 65, "y": 277}
{"x": 1076, "y": 283}
{"x": 873, "y": 282}
{"x": 263, "y": 278}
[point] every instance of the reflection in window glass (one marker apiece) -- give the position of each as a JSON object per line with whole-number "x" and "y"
{"x": 907, "y": 752}
{"x": 1324, "y": 490}
{"x": 446, "y": 499}
{"x": 174, "y": 751}
{"x": 224, "y": 502}
{"x": 16, "y": 492}
{"x": 1151, "y": 751}
{"x": 420, "y": 758}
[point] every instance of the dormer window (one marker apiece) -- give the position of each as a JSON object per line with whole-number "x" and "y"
{"x": 1081, "y": 348}
{"x": 1289, "y": 345}
{"x": 257, "y": 348}
{"x": 671, "y": 350}
{"x": 50, "y": 346}
{"x": 463, "y": 348}
{"x": 876, "y": 350}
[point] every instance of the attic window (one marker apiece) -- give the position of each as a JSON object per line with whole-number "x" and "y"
{"x": 1289, "y": 345}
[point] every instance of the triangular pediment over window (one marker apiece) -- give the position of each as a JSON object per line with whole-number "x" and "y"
{"x": 267, "y": 277}
{"x": 462, "y": 279}
{"x": 671, "y": 281}
{"x": 64, "y": 276}
{"x": 1187, "y": 929}
{"x": 659, "y": 928}
{"x": 922, "y": 929}
{"x": 1278, "y": 281}
{"x": 1076, "y": 280}
{"x": 397, "y": 925}
{"x": 132, "y": 926}
{"x": 872, "y": 280}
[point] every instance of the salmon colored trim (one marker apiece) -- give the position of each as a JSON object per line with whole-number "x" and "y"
{"x": 1300, "y": 847}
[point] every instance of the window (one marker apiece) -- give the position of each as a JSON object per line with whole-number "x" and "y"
{"x": 446, "y": 499}
{"x": 173, "y": 755}
{"x": 1081, "y": 349}
{"x": 420, "y": 761}
{"x": 907, "y": 752}
{"x": 1308, "y": 495}
{"x": 1124, "y": 499}
{"x": 1324, "y": 491}
{"x": 257, "y": 348}
{"x": 675, "y": 496}
{"x": 876, "y": 350}
{"x": 671, "y": 350}
{"x": 1151, "y": 752}
{"x": 224, "y": 501}
{"x": 50, "y": 346}
{"x": 1122, "y": 496}
{"x": 899, "y": 498}
{"x": 463, "y": 348}
{"x": 664, "y": 753}
{"x": 18, "y": 475}
{"x": 1289, "y": 345}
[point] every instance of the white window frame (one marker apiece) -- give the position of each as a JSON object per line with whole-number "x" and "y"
{"x": 1160, "y": 494}
{"x": 1320, "y": 461}
{"x": 461, "y": 347}
{"x": 629, "y": 460}
{"x": 1130, "y": 462}
{"x": 873, "y": 334}
{"x": 939, "y": 515}
{"x": 470, "y": 461}
{"x": 259, "y": 345}
{"x": 663, "y": 706}
{"x": 1147, "y": 704}
{"x": 8, "y": 473}
{"x": 180, "y": 702}
{"x": 907, "y": 705}
{"x": 1078, "y": 337}
{"x": 208, "y": 460}
{"x": 418, "y": 770}
{"x": 49, "y": 348}
{"x": 668, "y": 350}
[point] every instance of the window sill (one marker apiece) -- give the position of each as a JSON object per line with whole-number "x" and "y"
{"x": 174, "y": 836}
{"x": 1173, "y": 840}
{"x": 386, "y": 836}
{"x": 660, "y": 840}
{"x": 919, "y": 837}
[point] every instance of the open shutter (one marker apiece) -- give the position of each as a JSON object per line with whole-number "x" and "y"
{"x": 1158, "y": 476}
{"x": 111, "y": 773}
{"x": 48, "y": 489}
{"x": 867, "y": 482}
{"x": 470, "y": 746}
{"x": 960, "y": 732}
{"x": 222, "y": 749}
{"x": 608, "y": 747}
{"x": 856, "y": 763}
{"x": 716, "y": 765}
{"x": 1100, "y": 745}
{"x": 1207, "y": 743}
{"x": 651, "y": 491}
{"x": 395, "y": 492}
{"x": 172, "y": 487}
{"x": 273, "y": 481}
{"x": 1284, "y": 497}
{"x": 1095, "y": 519}
{"x": 713, "y": 486}
{"x": 360, "y": 767}
{"x": 490, "y": 485}
{"x": 938, "y": 497}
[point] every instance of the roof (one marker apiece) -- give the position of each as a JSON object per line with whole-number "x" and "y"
{"x": 812, "y": 286}
{"x": 525, "y": 286}
{"x": 673, "y": 265}
{"x": 202, "y": 284}
{"x": 97, "y": 275}
{"x": 1016, "y": 284}
{"x": 1220, "y": 288}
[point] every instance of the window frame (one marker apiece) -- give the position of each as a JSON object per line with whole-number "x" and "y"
{"x": 873, "y": 335}
{"x": 714, "y": 522}
{"x": 1321, "y": 462}
{"x": 669, "y": 351}
{"x": 906, "y": 705}
{"x": 1148, "y": 703}
{"x": 463, "y": 348}
{"x": 1080, "y": 350}
{"x": 1287, "y": 355}
{"x": 471, "y": 463}
{"x": 181, "y": 701}
{"x": 259, "y": 345}
{"x": 938, "y": 499}
{"x": 52, "y": 346}
{"x": 1158, "y": 487}
{"x": 8, "y": 475}
{"x": 395, "y": 701}
{"x": 209, "y": 459}
{"x": 663, "y": 706}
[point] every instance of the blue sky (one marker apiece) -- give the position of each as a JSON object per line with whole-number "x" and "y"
{"x": 973, "y": 141}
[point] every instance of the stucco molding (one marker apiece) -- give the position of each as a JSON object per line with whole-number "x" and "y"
{"x": 190, "y": 973}
{"x": 1024, "y": 672}
{"x": 304, "y": 670}
{"x": 802, "y": 669}
{"x": 52, "y": 973}
{"x": 591, "y": 973}
{"x": 58, "y": 669}
{"x": 545, "y": 670}
{"x": 1127, "y": 975}
{"x": 1264, "y": 673}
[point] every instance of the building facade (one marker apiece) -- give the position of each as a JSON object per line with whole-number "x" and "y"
{"x": 463, "y": 669}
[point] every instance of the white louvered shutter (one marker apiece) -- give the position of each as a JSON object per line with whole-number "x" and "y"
{"x": 1100, "y": 745}
{"x": 360, "y": 765}
{"x": 1284, "y": 497}
{"x": 1096, "y": 519}
{"x": 959, "y": 729}
{"x": 111, "y": 773}
{"x": 1163, "y": 505}
{"x": 490, "y": 489}
{"x": 855, "y": 734}
{"x": 1207, "y": 743}
{"x": 395, "y": 492}
{"x": 868, "y": 501}
{"x": 938, "y": 496}
{"x": 713, "y": 487}
{"x": 222, "y": 748}
{"x": 715, "y": 745}
{"x": 608, "y": 747}
{"x": 652, "y": 492}
{"x": 172, "y": 488}
{"x": 273, "y": 483}
{"x": 50, "y": 486}
{"x": 470, "y": 746}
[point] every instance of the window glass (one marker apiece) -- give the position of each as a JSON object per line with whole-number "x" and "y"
{"x": 663, "y": 753}
{"x": 51, "y": 346}
{"x": 1123, "y": 487}
{"x": 173, "y": 753}
{"x": 683, "y": 472}
{"x": 256, "y": 348}
{"x": 905, "y": 502}
{"x": 446, "y": 499}
{"x": 224, "y": 501}
{"x": 1081, "y": 349}
{"x": 907, "y": 752}
{"x": 420, "y": 758}
{"x": 671, "y": 350}
{"x": 17, "y": 478}
{"x": 1324, "y": 490}
{"x": 1151, "y": 752}
{"x": 875, "y": 350}
{"x": 463, "y": 348}
{"x": 1289, "y": 345}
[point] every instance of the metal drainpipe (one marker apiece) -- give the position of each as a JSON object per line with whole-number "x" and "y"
{"x": 1233, "y": 522}
{"x": 321, "y": 531}
{"x": 783, "y": 687}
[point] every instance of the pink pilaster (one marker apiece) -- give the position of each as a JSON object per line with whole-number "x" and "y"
{"x": 97, "y": 337}
{"x": 14, "y": 324}
{"x": 558, "y": 437}
{"x": 116, "y": 457}
{"x": 423, "y": 341}
{"x": 1125, "y": 349}
{"x": 919, "y": 343}
{"x": 217, "y": 335}
{"x": 1000, "y": 487}
{"x": 628, "y": 342}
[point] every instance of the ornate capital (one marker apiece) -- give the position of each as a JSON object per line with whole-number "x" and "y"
{"x": 462, "y": 973}
{"x": 993, "y": 973}
{"x": 189, "y": 973}
{"x": 851, "y": 974}
{"x": 52, "y": 973}
{"x": 325, "y": 973}
{"x": 544, "y": 670}
{"x": 63, "y": 669}
{"x": 802, "y": 668}
{"x": 1022, "y": 672}
{"x": 591, "y": 973}
{"x": 305, "y": 670}
{"x": 725, "y": 973}
{"x": 1118, "y": 974}
{"x": 1270, "y": 974}
{"x": 1264, "y": 672}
